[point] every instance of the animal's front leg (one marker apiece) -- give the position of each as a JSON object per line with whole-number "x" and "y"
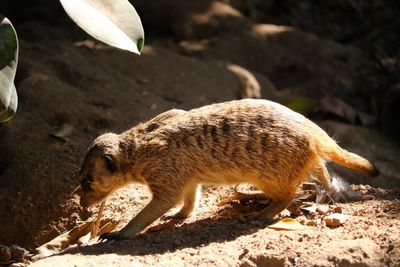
{"x": 154, "y": 210}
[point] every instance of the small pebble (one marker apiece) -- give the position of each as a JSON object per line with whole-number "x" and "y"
{"x": 301, "y": 219}
{"x": 322, "y": 209}
{"x": 285, "y": 213}
{"x": 338, "y": 209}
{"x": 335, "y": 219}
{"x": 311, "y": 223}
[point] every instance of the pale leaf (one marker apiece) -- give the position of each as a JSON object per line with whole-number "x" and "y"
{"x": 8, "y": 68}
{"x": 114, "y": 22}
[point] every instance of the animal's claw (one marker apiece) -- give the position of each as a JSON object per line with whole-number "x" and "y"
{"x": 117, "y": 236}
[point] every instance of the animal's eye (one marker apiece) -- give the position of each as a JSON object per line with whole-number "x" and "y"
{"x": 85, "y": 183}
{"x": 110, "y": 163}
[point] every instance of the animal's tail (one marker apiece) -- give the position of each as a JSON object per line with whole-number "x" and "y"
{"x": 330, "y": 150}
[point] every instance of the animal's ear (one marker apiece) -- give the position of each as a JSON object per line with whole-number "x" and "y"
{"x": 110, "y": 163}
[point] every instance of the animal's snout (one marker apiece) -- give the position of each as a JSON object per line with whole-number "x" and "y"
{"x": 84, "y": 202}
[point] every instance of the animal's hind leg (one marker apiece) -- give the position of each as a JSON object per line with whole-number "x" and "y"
{"x": 277, "y": 205}
{"x": 190, "y": 197}
{"x": 242, "y": 197}
{"x": 280, "y": 197}
{"x": 322, "y": 174}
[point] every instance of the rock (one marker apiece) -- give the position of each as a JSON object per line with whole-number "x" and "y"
{"x": 335, "y": 219}
{"x": 5, "y": 254}
{"x": 285, "y": 213}
{"x": 250, "y": 86}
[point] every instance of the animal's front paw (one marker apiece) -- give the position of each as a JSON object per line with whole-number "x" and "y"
{"x": 174, "y": 217}
{"x": 117, "y": 236}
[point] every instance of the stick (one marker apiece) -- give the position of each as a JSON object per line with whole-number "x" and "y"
{"x": 96, "y": 226}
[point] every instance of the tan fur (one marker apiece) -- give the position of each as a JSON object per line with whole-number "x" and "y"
{"x": 248, "y": 141}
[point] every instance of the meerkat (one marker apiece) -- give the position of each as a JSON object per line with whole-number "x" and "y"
{"x": 245, "y": 141}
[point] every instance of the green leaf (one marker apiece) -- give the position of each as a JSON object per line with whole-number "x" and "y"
{"x": 8, "y": 68}
{"x": 303, "y": 105}
{"x": 9, "y": 113}
{"x": 115, "y": 23}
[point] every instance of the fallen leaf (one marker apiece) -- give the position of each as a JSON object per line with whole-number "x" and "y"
{"x": 63, "y": 131}
{"x": 84, "y": 239}
{"x": 306, "y": 196}
{"x": 287, "y": 224}
{"x": 79, "y": 235}
{"x": 63, "y": 241}
{"x": 310, "y": 209}
{"x": 321, "y": 198}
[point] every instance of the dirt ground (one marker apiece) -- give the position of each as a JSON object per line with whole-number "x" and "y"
{"x": 217, "y": 236}
{"x": 210, "y": 52}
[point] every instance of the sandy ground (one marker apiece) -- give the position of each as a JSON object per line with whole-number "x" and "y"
{"x": 217, "y": 236}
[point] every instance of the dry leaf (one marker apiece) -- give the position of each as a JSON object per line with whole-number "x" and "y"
{"x": 63, "y": 131}
{"x": 287, "y": 224}
{"x": 63, "y": 241}
{"x": 84, "y": 239}
{"x": 310, "y": 209}
{"x": 306, "y": 196}
{"x": 321, "y": 198}
{"x": 81, "y": 234}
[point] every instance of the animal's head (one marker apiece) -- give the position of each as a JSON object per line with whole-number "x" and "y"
{"x": 100, "y": 174}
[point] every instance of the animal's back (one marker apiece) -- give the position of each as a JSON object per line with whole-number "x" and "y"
{"x": 249, "y": 135}
{"x": 225, "y": 142}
